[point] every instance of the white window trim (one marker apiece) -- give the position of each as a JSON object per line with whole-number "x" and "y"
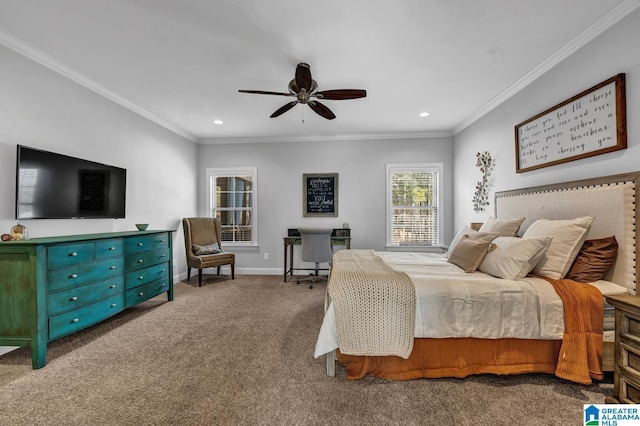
{"x": 408, "y": 168}
{"x": 235, "y": 171}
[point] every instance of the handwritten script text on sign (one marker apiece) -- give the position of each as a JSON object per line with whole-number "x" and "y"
{"x": 584, "y": 125}
{"x": 320, "y": 196}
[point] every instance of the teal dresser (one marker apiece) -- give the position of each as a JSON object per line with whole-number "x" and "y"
{"x": 52, "y": 287}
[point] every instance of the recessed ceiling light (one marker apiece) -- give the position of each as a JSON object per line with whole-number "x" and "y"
{"x": 218, "y": 122}
{"x": 424, "y": 114}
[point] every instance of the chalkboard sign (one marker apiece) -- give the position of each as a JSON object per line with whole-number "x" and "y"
{"x": 590, "y": 123}
{"x": 320, "y": 194}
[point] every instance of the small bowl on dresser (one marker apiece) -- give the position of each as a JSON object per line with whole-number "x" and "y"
{"x": 142, "y": 226}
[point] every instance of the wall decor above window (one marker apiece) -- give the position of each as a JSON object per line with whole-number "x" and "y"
{"x": 591, "y": 123}
{"x": 320, "y": 194}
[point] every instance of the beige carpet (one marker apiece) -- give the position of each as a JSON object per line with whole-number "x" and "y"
{"x": 241, "y": 353}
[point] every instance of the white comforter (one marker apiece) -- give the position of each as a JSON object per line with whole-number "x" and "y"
{"x": 452, "y": 303}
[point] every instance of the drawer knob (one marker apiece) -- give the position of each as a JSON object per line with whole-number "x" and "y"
{"x": 163, "y": 270}
{"x": 163, "y": 255}
{"x": 112, "y": 286}
{"x": 113, "y": 305}
{"x": 162, "y": 241}
{"x": 163, "y": 285}
{"x": 75, "y": 320}
{"x": 112, "y": 267}
{"x": 139, "y": 244}
{"x": 141, "y": 277}
{"x": 140, "y": 260}
{"x": 74, "y": 298}
{"x": 112, "y": 248}
{"x": 141, "y": 294}
{"x": 73, "y": 254}
{"x": 73, "y": 276}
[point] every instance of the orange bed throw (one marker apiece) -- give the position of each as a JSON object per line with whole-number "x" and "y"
{"x": 580, "y": 358}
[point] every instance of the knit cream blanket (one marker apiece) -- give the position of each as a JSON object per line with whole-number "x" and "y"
{"x": 374, "y": 305}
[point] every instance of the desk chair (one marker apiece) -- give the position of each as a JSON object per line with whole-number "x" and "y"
{"x": 316, "y": 248}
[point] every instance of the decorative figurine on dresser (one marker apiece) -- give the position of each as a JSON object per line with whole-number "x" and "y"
{"x": 52, "y": 287}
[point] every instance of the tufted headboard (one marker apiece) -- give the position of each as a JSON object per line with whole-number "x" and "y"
{"x": 611, "y": 199}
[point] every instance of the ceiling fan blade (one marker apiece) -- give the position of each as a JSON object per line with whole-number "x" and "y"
{"x": 283, "y": 109}
{"x": 341, "y": 94}
{"x": 262, "y": 92}
{"x": 303, "y": 76}
{"x": 322, "y": 110}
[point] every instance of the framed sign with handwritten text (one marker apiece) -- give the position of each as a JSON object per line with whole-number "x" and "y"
{"x": 591, "y": 123}
{"x": 320, "y": 194}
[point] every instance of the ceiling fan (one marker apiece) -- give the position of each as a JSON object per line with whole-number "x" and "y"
{"x": 305, "y": 90}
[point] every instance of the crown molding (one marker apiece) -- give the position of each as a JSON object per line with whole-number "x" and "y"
{"x": 605, "y": 22}
{"x": 41, "y": 58}
{"x": 327, "y": 138}
{"x": 601, "y": 25}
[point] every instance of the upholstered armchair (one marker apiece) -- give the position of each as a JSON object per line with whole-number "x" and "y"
{"x": 203, "y": 245}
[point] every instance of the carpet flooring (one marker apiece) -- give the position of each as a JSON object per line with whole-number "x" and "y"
{"x": 241, "y": 353}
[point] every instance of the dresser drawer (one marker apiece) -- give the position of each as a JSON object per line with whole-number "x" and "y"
{"x": 630, "y": 328}
{"x": 146, "y": 291}
{"x": 137, "y": 244}
{"x": 69, "y": 254}
{"x": 147, "y": 275}
{"x": 629, "y": 391}
{"x": 106, "y": 249}
{"x": 63, "y": 324}
{"x": 160, "y": 241}
{"x": 78, "y": 297}
{"x": 136, "y": 261}
{"x": 62, "y": 278}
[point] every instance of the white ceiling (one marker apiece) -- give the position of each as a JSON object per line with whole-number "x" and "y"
{"x": 181, "y": 62}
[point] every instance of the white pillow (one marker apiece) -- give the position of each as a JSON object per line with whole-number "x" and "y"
{"x": 481, "y": 237}
{"x": 568, "y": 237}
{"x": 607, "y": 288}
{"x": 504, "y": 227}
{"x": 513, "y": 258}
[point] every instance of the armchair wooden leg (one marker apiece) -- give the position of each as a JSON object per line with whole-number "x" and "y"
{"x": 188, "y": 273}
{"x": 233, "y": 271}
{"x": 218, "y": 270}
{"x": 199, "y": 277}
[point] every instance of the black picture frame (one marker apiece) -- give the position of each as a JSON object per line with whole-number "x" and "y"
{"x": 320, "y": 194}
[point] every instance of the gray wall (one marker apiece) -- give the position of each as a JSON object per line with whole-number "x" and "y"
{"x": 615, "y": 51}
{"x": 361, "y": 168}
{"x": 42, "y": 109}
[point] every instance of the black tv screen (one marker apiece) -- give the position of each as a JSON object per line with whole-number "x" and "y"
{"x": 56, "y": 186}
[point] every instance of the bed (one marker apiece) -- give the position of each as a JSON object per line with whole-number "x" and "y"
{"x": 523, "y": 344}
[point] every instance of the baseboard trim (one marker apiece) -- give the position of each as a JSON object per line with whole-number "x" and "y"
{"x": 239, "y": 271}
{"x": 7, "y": 349}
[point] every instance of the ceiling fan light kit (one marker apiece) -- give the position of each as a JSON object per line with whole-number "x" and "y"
{"x": 305, "y": 90}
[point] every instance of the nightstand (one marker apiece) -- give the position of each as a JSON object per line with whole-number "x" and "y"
{"x": 626, "y": 384}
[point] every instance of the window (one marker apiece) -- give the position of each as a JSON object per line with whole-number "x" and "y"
{"x": 414, "y": 193}
{"x": 231, "y": 196}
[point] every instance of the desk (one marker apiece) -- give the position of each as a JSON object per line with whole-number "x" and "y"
{"x": 339, "y": 237}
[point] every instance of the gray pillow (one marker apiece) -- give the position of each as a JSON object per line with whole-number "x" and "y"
{"x": 208, "y": 249}
{"x": 468, "y": 254}
{"x": 466, "y": 232}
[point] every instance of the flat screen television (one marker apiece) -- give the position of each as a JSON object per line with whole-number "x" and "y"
{"x": 56, "y": 186}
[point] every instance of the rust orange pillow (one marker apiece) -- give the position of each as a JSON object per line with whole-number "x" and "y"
{"x": 594, "y": 260}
